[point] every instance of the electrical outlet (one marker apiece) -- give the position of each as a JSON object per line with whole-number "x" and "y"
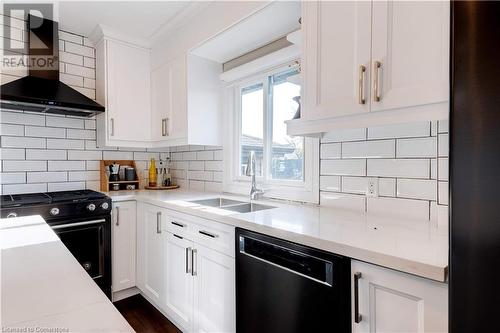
{"x": 372, "y": 187}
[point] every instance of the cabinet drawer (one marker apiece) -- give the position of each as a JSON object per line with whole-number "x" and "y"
{"x": 214, "y": 235}
{"x": 178, "y": 224}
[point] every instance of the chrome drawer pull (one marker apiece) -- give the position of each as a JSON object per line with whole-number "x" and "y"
{"x": 178, "y": 224}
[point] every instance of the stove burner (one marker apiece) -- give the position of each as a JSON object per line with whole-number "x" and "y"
{"x": 19, "y": 200}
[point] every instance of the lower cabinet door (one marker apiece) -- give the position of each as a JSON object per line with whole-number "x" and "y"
{"x": 178, "y": 299}
{"x": 214, "y": 294}
{"x": 390, "y": 301}
{"x": 124, "y": 238}
{"x": 149, "y": 251}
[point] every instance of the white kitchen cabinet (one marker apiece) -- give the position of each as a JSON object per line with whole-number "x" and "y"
{"x": 410, "y": 41}
{"x": 123, "y": 245}
{"x": 186, "y": 102}
{"x": 123, "y": 87}
{"x": 368, "y": 63}
{"x": 150, "y": 259}
{"x": 178, "y": 280}
{"x": 214, "y": 291}
{"x": 336, "y": 58}
{"x": 391, "y": 301}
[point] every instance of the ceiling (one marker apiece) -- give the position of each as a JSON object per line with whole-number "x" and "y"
{"x": 139, "y": 19}
{"x": 267, "y": 25}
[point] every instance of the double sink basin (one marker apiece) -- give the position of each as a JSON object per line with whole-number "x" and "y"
{"x": 232, "y": 205}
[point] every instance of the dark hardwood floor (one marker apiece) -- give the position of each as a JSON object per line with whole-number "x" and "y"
{"x": 143, "y": 317}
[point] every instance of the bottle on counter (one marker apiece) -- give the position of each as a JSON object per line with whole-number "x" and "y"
{"x": 152, "y": 173}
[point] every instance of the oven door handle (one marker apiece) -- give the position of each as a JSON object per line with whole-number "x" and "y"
{"x": 77, "y": 224}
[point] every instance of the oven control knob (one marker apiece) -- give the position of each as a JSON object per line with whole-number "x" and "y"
{"x": 105, "y": 205}
{"x": 12, "y": 214}
{"x": 91, "y": 207}
{"x": 54, "y": 211}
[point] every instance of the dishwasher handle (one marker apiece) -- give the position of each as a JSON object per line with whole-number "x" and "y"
{"x": 300, "y": 263}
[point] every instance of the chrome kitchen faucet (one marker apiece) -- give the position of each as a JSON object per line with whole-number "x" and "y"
{"x": 255, "y": 193}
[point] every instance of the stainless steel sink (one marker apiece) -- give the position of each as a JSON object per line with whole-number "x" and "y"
{"x": 232, "y": 205}
{"x": 248, "y": 207}
{"x": 217, "y": 202}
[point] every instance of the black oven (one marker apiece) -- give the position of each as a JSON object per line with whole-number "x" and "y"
{"x": 89, "y": 240}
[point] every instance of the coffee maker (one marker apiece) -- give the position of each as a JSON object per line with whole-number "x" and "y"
{"x": 113, "y": 172}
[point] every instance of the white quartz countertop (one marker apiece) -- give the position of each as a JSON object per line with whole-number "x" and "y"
{"x": 413, "y": 246}
{"x": 44, "y": 288}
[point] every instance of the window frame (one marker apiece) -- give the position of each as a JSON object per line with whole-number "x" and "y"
{"x": 306, "y": 190}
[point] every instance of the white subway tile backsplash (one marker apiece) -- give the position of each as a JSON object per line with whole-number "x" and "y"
{"x": 218, "y": 155}
{"x": 343, "y": 167}
{"x": 80, "y": 71}
{"x": 12, "y": 178}
{"x": 443, "y": 168}
{"x": 400, "y": 130}
{"x": 84, "y": 155}
{"x": 81, "y": 134}
{"x": 117, "y": 155}
{"x": 197, "y": 185}
{"x": 443, "y": 193}
{"x": 213, "y": 187}
{"x": 330, "y": 150}
{"x": 146, "y": 156}
{"x": 196, "y": 165}
{"x": 70, "y": 58}
{"x": 66, "y": 186}
{"x": 402, "y": 168}
{"x": 45, "y": 132}
{"x": 83, "y": 175}
{"x": 344, "y": 201}
{"x": 387, "y": 187}
{"x": 45, "y": 154}
{"x": 417, "y": 147}
{"x": 89, "y": 62}
{"x": 417, "y": 189}
{"x": 71, "y": 80}
{"x": 13, "y": 130}
{"x": 354, "y": 185}
{"x": 369, "y": 149}
{"x": 205, "y": 155}
{"x": 189, "y": 156}
{"x": 443, "y": 126}
{"x": 79, "y": 49}
{"x": 65, "y": 165}
{"x": 90, "y": 124}
{"x": 22, "y": 142}
{"x": 93, "y": 165}
{"x": 12, "y": 154}
{"x": 340, "y": 135}
{"x": 65, "y": 122}
{"x": 201, "y": 175}
{"x": 398, "y": 208}
{"x": 47, "y": 177}
{"x": 12, "y": 166}
{"x": 65, "y": 144}
{"x": 70, "y": 37}
{"x": 443, "y": 145}
{"x": 24, "y": 188}
{"x": 22, "y": 118}
{"x": 213, "y": 165}
{"x": 329, "y": 183}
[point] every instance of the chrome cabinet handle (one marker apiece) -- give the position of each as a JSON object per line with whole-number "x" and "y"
{"x": 158, "y": 223}
{"x": 167, "y": 133}
{"x": 376, "y": 81}
{"x": 361, "y": 85}
{"x": 182, "y": 225}
{"x": 117, "y": 216}
{"x": 194, "y": 262}
{"x": 188, "y": 254}
{"x": 357, "y": 315}
{"x": 164, "y": 127}
{"x": 112, "y": 123}
{"x": 209, "y": 234}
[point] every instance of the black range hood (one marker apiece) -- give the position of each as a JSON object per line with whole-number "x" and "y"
{"x": 41, "y": 90}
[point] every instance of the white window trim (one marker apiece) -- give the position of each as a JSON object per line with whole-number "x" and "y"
{"x": 233, "y": 182}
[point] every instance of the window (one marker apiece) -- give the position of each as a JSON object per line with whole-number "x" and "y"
{"x": 264, "y": 108}
{"x": 286, "y": 167}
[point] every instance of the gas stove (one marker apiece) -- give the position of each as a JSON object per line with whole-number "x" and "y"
{"x": 55, "y": 205}
{"x": 81, "y": 219}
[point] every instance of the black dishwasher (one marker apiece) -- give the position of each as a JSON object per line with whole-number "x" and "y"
{"x": 285, "y": 287}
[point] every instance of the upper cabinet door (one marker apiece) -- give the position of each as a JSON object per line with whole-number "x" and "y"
{"x": 410, "y": 53}
{"x": 169, "y": 106}
{"x": 128, "y": 92}
{"x": 336, "y": 58}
